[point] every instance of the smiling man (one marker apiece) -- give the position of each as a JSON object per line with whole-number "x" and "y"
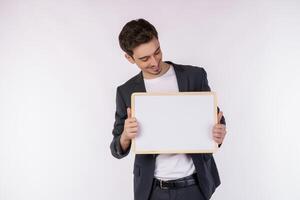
{"x": 164, "y": 176}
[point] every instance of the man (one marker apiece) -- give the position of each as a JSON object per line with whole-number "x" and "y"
{"x": 165, "y": 176}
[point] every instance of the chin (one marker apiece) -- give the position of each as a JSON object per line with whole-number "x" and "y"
{"x": 158, "y": 72}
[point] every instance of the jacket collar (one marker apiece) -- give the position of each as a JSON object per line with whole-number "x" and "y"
{"x": 182, "y": 80}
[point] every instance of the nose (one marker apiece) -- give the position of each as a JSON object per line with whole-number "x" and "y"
{"x": 153, "y": 61}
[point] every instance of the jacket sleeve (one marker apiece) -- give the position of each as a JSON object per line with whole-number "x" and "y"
{"x": 120, "y": 117}
{"x": 205, "y": 87}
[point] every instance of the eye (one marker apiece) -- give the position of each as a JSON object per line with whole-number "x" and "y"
{"x": 157, "y": 52}
{"x": 145, "y": 59}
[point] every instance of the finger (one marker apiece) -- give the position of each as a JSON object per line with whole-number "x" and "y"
{"x": 131, "y": 120}
{"x": 133, "y": 130}
{"x": 132, "y": 125}
{"x": 219, "y": 130}
{"x": 219, "y": 134}
{"x": 128, "y": 113}
{"x": 223, "y": 132}
{"x": 220, "y": 114}
{"x": 218, "y": 138}
{"x": 130, "y": 131}
{"x": 219, "y": 126}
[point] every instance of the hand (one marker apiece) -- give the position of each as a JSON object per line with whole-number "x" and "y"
{"x": 219, "y": 130}
{"x": 130, "y": 130}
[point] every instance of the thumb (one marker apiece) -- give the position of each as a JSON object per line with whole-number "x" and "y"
{"x": 220, "y": 115}
{"x": 128, "y": 113}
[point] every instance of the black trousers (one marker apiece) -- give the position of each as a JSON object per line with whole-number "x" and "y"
{"x": 188, "y": 193}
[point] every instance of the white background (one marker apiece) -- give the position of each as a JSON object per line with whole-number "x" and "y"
{"x": 60, "y": 64}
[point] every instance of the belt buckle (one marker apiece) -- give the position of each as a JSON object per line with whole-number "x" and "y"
{"x": 161, "y": 185}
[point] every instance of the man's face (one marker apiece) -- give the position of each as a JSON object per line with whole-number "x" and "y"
{"x": 148, "y": 57}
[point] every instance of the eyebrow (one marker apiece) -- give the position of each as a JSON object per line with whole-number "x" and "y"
{"x": 141, "y": 58}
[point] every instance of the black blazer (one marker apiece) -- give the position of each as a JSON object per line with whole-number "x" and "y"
{"x": 189, "y": 78}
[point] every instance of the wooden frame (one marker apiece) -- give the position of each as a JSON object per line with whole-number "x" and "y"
{"x": 186, "y": 98}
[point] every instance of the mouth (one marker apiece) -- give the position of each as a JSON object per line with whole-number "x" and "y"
{"x": 156, "y": 68}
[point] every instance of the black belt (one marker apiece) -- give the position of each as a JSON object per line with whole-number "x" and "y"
{"x": 178, "y": 183}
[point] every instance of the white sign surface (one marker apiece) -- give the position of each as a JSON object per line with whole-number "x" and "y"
{"x": 178, "y": 122}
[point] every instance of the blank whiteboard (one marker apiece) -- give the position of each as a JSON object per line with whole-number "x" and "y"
{"x": 177, "y": 122}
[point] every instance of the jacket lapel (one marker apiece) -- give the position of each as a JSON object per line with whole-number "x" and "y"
{"x": 139, "y": 83}
{"x": 182, "y": 80}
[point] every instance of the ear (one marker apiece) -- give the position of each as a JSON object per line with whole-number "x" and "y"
{"x": 129, "y": 58}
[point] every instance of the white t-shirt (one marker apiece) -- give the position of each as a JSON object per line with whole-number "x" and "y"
{"x": 169, "y": 166}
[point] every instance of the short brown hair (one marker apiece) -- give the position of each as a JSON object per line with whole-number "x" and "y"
{"x": 134, "y": 33}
